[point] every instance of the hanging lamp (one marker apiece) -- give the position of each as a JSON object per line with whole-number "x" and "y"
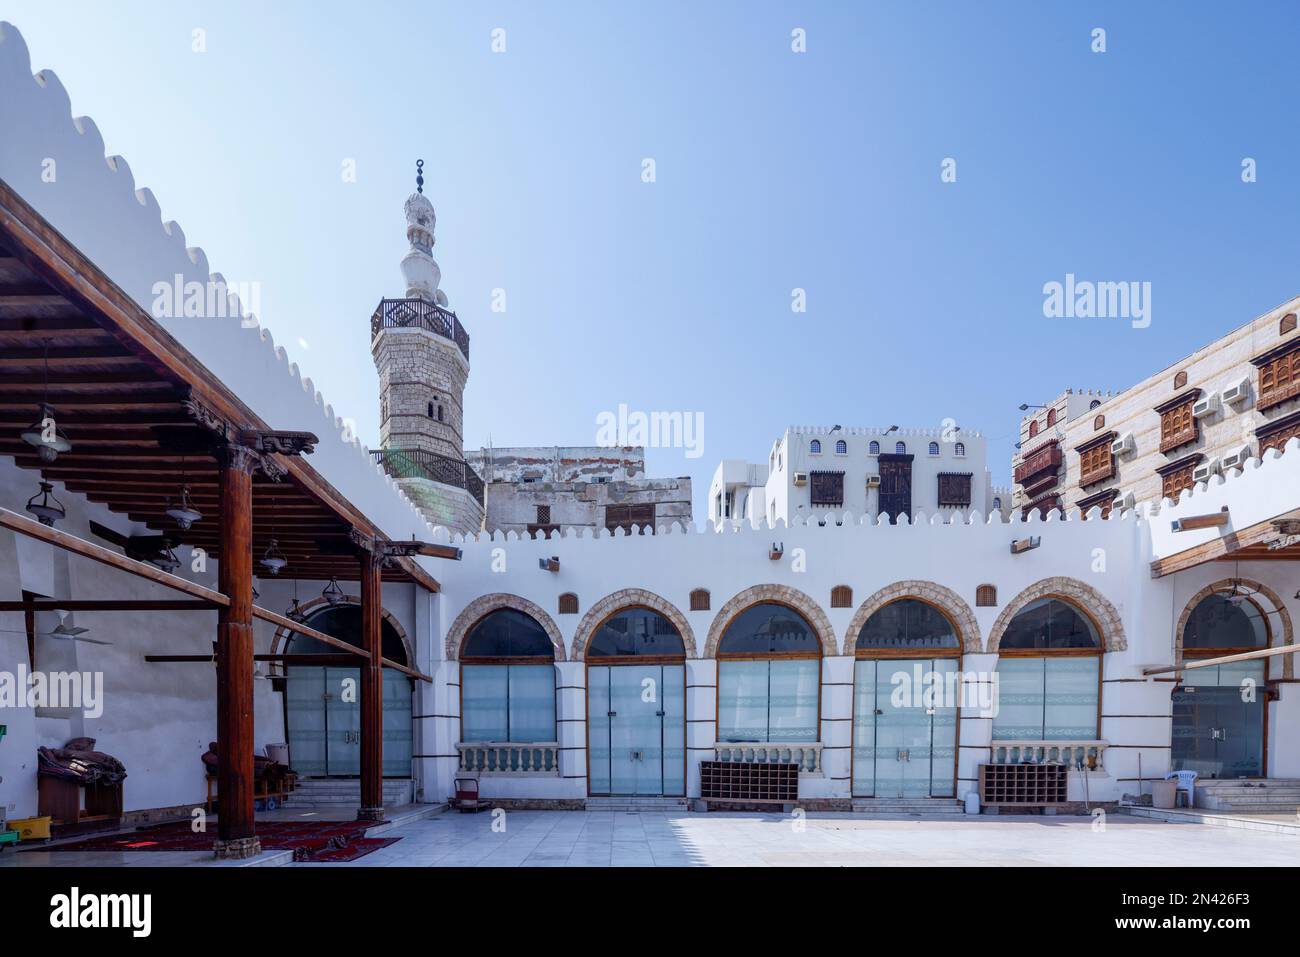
{"x": 44, "y": 434}
{"x": 274, "y": 559}
{"x": 332, "y": 593}
{"x": 184, "y": 513}
{"x": 45, "y": 506}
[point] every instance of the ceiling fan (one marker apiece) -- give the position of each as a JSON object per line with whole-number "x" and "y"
{"x": 154, "y": 549}
{"x": 68, "y": 632}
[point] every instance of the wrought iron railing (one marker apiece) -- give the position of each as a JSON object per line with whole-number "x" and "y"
{"x": 416, "y": 313}
{"x": 419, "y": 463}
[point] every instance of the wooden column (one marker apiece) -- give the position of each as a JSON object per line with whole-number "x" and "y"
{"x": 372, "y": 688}
{"x": 235, "y": 829}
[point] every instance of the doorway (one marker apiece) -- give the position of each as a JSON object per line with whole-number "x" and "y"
{"x": 636, "y": 729}
{"x": 904, "y": 740}
{"x": 322, "y": 702}
{"x": 1219, "y": 718}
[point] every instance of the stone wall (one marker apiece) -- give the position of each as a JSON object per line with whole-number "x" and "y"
{"x": 418, "y": 369}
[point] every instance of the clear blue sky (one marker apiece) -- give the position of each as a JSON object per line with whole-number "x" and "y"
{"x": 775, "y": 171}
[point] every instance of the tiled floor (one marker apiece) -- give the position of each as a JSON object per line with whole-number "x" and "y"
{"x": 662, "y": 839}
{"x": 672, "y": 839}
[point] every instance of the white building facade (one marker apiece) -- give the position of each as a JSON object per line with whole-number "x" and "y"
{"x": 871, "y": 472}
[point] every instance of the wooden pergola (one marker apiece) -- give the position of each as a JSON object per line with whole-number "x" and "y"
{"x": 143, "y": 416}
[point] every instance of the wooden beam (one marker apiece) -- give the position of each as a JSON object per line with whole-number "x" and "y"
{"x": 1193, "y": 522}
{"x": 1193, "y": 663}
{"x": 1261, "y": 533}
{"x": 52, "y": 536}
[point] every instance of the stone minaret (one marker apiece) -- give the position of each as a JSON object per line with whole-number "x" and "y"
{"x": 421, "y": 352}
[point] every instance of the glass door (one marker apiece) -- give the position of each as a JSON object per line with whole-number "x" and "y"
{"x": 904, "y": 740}
{"x": 342, "y": 721}
{"x": 304, "y": 691}
{"x": 1218, "y": 721}
{"x": 636, "y": 727}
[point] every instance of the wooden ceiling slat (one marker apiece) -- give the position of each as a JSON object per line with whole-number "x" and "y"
{"x": 70, "y": 336}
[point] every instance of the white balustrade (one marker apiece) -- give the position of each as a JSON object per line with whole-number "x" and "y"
{"x": 1075, "y": 754}
{"x": 500, "y": 757}
{"x": 807, "y": 754}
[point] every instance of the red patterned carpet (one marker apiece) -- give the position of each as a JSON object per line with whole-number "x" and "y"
{"x": 329, "y": 841}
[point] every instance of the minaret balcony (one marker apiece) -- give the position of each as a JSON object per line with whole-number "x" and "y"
{"x": 419, "y": 463}
{"x": 420, "y": 314}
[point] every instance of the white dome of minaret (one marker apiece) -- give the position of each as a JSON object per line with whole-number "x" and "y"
{"x": 418, "y": 266}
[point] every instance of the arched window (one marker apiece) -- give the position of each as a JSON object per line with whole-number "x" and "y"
{"x": 986, "y": 596}
{"x": 873, "y": 448}
{"x": 900, "y": 448}
{"x": 439, "y": 413}
{"x": 1049, "y": 675}
{"x": 908, "y": 623}
{"x": 815, "y": 447}
{"x": 1033, "y": 428}
{"x": 841, "y": 447}
{"x": 997, "y": 502}
{"x": 906, "y": 675}
{"x": 568, "y": 603}
{"x": 769, "y": 677}
{"x": 1225, "y": 621}
{"x": 1093, "y": 404}
{"x": 1218, "y": 729}
{"x": 841, "y": 596}
{"x": 700, "y": 599}
{"x": 1051, "y": 418}
{"x": 431, "y": 412}
{"x": 636, "y": 632}
{"x": 959, "y": 449}
{"x": 507, "y": 680}
{"x": 934, "y": 448}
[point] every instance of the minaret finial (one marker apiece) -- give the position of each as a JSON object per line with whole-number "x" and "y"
{"x": 419, "y": 176}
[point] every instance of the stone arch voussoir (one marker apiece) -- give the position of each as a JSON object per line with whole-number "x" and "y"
{"x": 625, "y": 598}
{"x": 782, "y": 594}
{"x": 932, "y": 593}
{"x": 1086, "y": 598}
{"x": 484, "y": 605}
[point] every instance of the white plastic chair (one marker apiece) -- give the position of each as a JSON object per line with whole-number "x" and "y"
{"x": 1186, "y": 782}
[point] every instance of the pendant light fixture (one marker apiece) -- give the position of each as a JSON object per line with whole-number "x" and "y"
{"x": 184, "y": 512}
{"x": 44, "y": 434}
{"x": 332, "y": 593}
{"x": 294, "y": 612}
{"x": 45, "y": 506}
{"x": 274, "y": 559}
{"x": 167, "y": 561}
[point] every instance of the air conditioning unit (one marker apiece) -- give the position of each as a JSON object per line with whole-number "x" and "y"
{"x": 1236, "y": 394}
{"x": 1237, "y": 459}
{"x": 1124, "y": 501}
{"x": 873, "y": 481}
{"x": 1206, "y": 405}
{"x": 1123, "y": 445}
{"x": 800, "y": 478}
{"x": 1203, "y": 471}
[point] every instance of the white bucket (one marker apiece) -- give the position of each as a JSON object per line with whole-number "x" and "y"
{"x": 279, "y": 753}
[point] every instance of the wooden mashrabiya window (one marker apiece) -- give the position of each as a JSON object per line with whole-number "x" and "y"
{"x": 1276, "y": 434}
{"x": 954, "y": 489}
{"x": 1096, "y": 463}
{"x": 1177, "y": 424}
{"x": 1178, "y": 475}
{"x": 1279, "y": 374}
{"x": 1105, "y": 499}
{"x": 827, "y": 488}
